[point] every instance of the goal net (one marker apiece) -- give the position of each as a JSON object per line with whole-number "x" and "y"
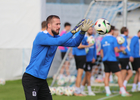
{"x": 108, "y": 9}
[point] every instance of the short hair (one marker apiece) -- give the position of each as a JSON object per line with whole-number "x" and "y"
{"x": 123, "y": 29}
{"x": 43, "y": 24}
{"x": 138, "y": 31}
{"x": 112, "y": 28}
{"x": 67, "y": 24}
{"x": 49, "y": 19}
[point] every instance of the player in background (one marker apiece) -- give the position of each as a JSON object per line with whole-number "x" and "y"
{"x": 80, "y": 59}
{"x": 96, "y": 74}
{"x": 90, "y": 60}
{"x": 109, "y": 46}
{"x": 43, "y": 51}
{"x": 124, "y": 58}
{"x": 116, "y": 34}
{"x": 63, "y": 50}
{"x": 135, "y": 59}
{"x": 43, "y": 26}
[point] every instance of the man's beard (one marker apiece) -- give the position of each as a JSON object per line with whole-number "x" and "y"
{"x": 54, "y": 33}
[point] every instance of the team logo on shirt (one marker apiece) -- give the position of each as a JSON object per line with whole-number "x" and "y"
{"x": 34, "y": 93}
{"x": 106, "y": 44}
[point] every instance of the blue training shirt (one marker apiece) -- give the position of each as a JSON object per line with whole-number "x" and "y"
{"x": 135, "y": 47}
{"x": 80, "y": 52}
{"x": 108, "y": 44}
{"x": 43, "y": 51}
{"x": 127, "y": 55}
{"x": 91, "y": 53}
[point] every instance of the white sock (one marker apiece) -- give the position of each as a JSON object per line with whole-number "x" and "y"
{"x": 77, "y": 90}
{"x": 107, "y": 90}
{"x": 111, "y": 78}
{"x": 124, "y": 83}
{"x": 82, "y": 88}
{"x": 134, "y": 86}
{"x": 122, "y": 90}
{"x": 89, "y": 89}
{"x": 138, "y": 84}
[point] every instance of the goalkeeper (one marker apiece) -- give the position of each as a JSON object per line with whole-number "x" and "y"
{"x": 43, "y": 51}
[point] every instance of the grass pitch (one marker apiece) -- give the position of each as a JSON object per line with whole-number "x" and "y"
{"x": 13, "y": 90}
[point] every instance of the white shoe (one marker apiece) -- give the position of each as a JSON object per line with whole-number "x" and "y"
{"x": 83, "y": 92}
{"x": 91, "y": 94}
{"x": 138, "y": 88}
{"x": 126, "y": 94}
{"x": 134, "y": 90}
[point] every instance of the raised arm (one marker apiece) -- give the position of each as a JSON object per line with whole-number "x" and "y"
{"x": 44, "y": 39}
{"x": 77, "y": 40}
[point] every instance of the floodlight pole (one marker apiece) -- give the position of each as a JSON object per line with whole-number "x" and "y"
{"x": 125, "y": 13}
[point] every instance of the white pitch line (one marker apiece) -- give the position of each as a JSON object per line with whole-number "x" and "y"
{"x": 108, "y": 97}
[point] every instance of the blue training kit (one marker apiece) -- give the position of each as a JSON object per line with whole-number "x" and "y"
{"x": 108, "y": 44}
{"x": 43, "y": 51}
{"x": 80, "y": 52}
{"x": 128, "y": 54}
{"x": 135, "y": 47}
{"x": 91, "y": 53}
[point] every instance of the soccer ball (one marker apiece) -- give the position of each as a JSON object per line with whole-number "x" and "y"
{"x": 120, "y": 39}
{"x": 102, "y": 26}
{"x": 53, "y": 90}
{"x": 59, "y": 90}
{"x": 61, "y": 81}
{"x": 2, "y": 81}
{"x": 90, "y": 40}
{"x": 72, "y": 79}
{"x": 68, "y": 91}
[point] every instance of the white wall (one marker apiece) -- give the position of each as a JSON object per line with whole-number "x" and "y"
{"x": 19, "y": 22}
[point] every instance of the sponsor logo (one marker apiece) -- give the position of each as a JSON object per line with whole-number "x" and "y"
{"x": 106, "y": 44}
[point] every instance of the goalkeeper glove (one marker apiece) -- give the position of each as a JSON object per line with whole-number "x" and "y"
{"x": 124, "y": 52}
{"x": 86, "y": 25}
{"x": 77, "y": 27}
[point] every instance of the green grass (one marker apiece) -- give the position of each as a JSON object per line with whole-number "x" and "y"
{"x": 13, "y": 90}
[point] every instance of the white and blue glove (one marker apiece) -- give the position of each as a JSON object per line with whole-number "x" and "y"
{"x": 77, "y": 27}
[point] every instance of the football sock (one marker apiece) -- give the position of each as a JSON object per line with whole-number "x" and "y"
{"x": 122, "y": 90}
{"x": 124, "y": 83}
{"x": 138, "y": 84}
{"x": 82, "y": 88}
{"x": 107, "y": 90}
{"x": 134, "y": 86}
{"x": 89, "y": 89}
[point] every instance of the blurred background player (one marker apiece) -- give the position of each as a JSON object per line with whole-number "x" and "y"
{"x": 90, "y": 60}
{"x": 124, "y": 58}
{"x": 43, "y": 26}
{"x": 135, "y": 59}
{"x": 67, "y": 27}
{"x": 80, "y": 59}
{"x": 108, "y": 48}
{"x": 96, "y": 74}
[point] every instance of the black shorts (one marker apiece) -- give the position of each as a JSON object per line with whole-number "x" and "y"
{"x": 136, "y": 64}
{"x": 80, "y": 61}
{"x": 111, "y": 66}
{"x": 63, "y": 55}
{"x": 124, "y": 63}
{"x": 88, "y": 66}
{"x": 35, "y": 88}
